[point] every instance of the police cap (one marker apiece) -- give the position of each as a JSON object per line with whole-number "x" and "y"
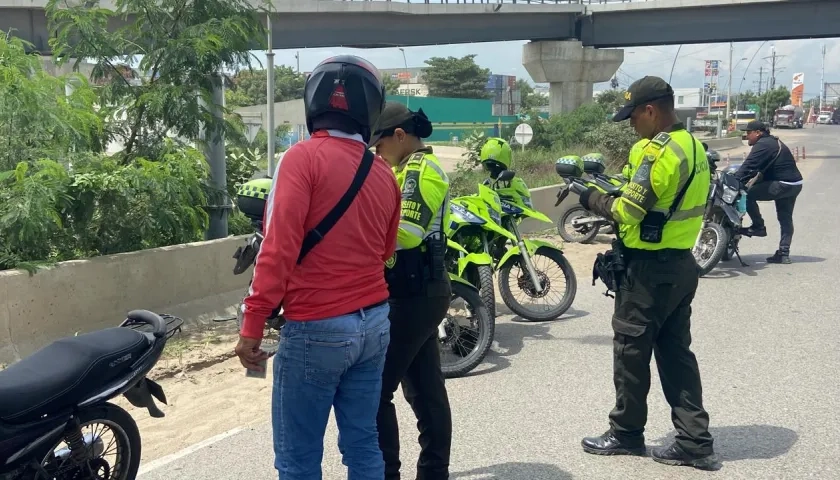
{"x": 396, "y": 115}
{"x": 641, "y": 92}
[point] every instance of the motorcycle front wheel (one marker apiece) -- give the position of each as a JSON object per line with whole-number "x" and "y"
{"x": 581, "y": 234}
{"x": 559, "y": 291}
{"x": 710, "y": 247}
{"x": 467, "y": 332}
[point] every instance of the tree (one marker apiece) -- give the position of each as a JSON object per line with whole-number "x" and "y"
{"x": 456, "y": 77}
{"x": 37, "y": 119}
{"x": 183, "y": 44}
{"x": 392, "y": 86}
{"x": 250, "y": 86}
{"x": 529, "y": 99}
{"x": 611, "y": 100}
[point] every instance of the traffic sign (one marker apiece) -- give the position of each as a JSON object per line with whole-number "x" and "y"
{"x": 253, "y": 124}
{"x": 523, "y": 134}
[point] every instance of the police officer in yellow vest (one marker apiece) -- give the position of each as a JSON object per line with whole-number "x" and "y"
{"x": 420, "y": 294}
{"x": 659, "y": 214}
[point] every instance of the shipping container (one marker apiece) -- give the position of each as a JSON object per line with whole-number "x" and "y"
{"x": 511, "y": 81}
{"x": 458, "y": 117}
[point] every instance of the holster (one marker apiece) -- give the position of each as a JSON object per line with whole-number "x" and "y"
{"x": 435, "y": 255}
{"x": 406, "y": 277}
{"x": 609, "y": 268}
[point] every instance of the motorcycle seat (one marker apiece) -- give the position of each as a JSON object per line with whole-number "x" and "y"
{"x": 67, "y": 372}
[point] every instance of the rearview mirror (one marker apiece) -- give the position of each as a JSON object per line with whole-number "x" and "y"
{"x": 506, "y": 176}
{"x": 705, "y": 146}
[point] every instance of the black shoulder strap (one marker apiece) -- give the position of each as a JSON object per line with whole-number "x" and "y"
{"x": 771, "y": 162}
{"x": 693, "y": 166}
{"x": 314, "y": 236}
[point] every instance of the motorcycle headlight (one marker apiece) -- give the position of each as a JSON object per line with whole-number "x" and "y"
{"x": 464, "y": 214}
{"x": 729, "y": 194}
{"x": 495, "y": 216}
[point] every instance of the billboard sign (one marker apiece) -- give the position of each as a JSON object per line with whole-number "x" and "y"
{"x": 798, "y": 89}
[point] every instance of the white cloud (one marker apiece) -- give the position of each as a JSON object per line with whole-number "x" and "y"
{"x": 505, "y": 58}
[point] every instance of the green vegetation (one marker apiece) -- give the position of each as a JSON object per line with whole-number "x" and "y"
{"x": 62, "y": 196}
{"x": 581, "y": 131}
{"x": 453, "y": 77}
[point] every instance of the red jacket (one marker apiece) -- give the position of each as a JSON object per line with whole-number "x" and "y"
{"x": 345, "y": 271}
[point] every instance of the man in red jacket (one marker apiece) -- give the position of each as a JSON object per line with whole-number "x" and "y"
{"x": 323, "y": 258}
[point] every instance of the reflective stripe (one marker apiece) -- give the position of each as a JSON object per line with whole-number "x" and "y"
{"x": 412, "y": 229}
{"x": 683, "y": 166}
{"x": 439, "y": 170}
{"x": 697, "y": 211}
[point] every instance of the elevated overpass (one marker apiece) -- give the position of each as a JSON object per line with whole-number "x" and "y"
{"x": 568, "y": 37}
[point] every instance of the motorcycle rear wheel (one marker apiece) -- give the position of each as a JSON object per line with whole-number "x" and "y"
{"x": 716, "y": 247}
{"x": 125, "y": 433}
{"x": 586, "y": 234}
{"x": 467, "y": 349}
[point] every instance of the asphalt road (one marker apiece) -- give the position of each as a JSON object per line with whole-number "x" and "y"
{"x": 763, "y": 334}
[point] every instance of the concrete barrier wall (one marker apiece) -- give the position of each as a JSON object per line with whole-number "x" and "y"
{"x": 193, "y": 281}
{"x": 724, "y": 143}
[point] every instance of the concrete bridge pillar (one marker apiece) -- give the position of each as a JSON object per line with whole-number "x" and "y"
{"x": 570, "y": 69}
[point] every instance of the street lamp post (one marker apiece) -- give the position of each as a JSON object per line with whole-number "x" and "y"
{"x": 405, "y": 64}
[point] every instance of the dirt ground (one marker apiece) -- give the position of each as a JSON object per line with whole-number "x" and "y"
{"x": 207, "y": 390}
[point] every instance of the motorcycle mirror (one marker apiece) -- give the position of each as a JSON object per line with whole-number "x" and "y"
{"x": 705, "y": 145}
{"x": 506, "y": 176}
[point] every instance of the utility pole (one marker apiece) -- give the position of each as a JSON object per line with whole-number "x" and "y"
{"x": 771, "y": 82}
{"x": 297, "y": 59}
{"x": 269, "y": 97}
{"x": 760, "y": 74}
{"x": 822, "y": 80}
{"x": 729, "y": 86}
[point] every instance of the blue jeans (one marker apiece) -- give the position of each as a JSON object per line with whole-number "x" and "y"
{"x": 335, "y": 362}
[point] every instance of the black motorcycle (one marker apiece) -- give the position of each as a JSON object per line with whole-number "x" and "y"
{"x": 722, "y": 220}
{"x": 578, "y": 224}
{"x": 55, "y": 418}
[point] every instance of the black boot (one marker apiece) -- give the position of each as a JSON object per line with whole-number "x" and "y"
{"x": 674, "y": 455}
{"x": 754, "y": 231}
{"x": 609, "y": 444}
{"x": 781, "y": 256}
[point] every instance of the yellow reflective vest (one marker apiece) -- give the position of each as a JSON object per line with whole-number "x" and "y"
{"x": 425, "y": 198}
{"x": 661, "y": 167}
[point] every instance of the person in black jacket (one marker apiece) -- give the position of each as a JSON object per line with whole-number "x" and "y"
{"x": 780, "y": 181}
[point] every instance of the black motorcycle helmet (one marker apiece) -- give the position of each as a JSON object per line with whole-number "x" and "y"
{"x": 346, "y": 93}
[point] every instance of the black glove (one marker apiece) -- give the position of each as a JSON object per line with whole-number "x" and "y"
{"x": 584, "y": 197}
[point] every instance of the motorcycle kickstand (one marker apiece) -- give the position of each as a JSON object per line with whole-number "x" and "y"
{"x": 738, "y": 254}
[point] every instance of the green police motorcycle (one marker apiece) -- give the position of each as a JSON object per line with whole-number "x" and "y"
{"x": 490, "y": 229}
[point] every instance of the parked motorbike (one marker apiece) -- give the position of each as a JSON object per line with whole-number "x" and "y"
{"x": 56, "y": 421}
{"x": 473, "y": 220}
{"x": 722, "y": 220}
{"x": 467, "y": 331}
{"x": 502, "y": 208}
{"x": 578, "y": 224}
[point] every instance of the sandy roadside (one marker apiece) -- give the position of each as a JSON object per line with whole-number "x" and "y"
{"x": 209, "y": 394}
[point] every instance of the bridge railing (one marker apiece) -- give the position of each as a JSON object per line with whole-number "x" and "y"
{"x": 526, "y": 2}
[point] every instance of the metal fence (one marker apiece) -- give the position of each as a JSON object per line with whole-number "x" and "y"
{"x": 526, "y": 2}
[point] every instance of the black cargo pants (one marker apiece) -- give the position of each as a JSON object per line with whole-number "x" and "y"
{"x": 785, "y": 197}
{"x": 413, "y": 359}
{"x": 653, "y": 316}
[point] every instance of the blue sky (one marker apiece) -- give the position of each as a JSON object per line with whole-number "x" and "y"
{"x": 505, "y": 58}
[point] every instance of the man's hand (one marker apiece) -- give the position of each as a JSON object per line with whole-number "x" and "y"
{"x": 249, "y": 353}
{"x": 584, "y": 197}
